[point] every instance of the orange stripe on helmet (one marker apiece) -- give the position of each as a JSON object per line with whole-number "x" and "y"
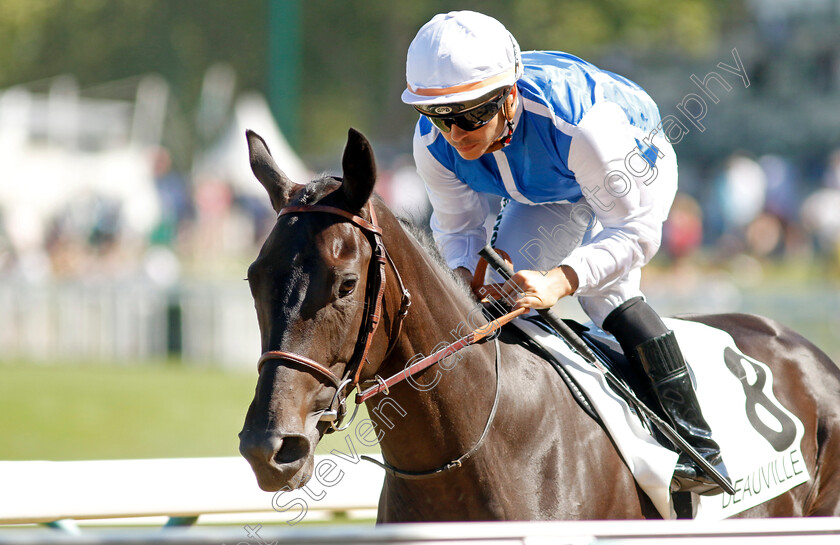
{"x": 440, "y": 91}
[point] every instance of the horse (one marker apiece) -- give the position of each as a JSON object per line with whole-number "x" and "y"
{"x": 496, "y": 434}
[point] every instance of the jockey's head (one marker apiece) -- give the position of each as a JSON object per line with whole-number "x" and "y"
{"x": 461, "y": 71}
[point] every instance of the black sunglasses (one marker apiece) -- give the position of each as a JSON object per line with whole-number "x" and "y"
{"x": 467, "y": 117}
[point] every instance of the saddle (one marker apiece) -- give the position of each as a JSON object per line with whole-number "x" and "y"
{"x": 762, "y": 465}
{"x": 610, "y": 354}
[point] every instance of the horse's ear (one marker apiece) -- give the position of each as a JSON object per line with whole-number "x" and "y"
{"x": 359, "y": 170}
{"x": 278, "y": 185}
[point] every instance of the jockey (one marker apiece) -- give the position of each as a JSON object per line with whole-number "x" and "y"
{"x": 587, "y": 178}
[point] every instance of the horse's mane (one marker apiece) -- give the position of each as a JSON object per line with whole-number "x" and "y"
{"x": 424, "y": 239}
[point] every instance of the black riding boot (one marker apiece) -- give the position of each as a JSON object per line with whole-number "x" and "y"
{"x": 649, "y": 344}
{"x": 663, "y": 362}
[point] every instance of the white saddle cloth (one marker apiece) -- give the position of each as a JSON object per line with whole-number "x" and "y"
{"x": 759, "y": 439}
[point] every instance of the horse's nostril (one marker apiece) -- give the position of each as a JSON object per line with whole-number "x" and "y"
{"x": 291, "y": 450}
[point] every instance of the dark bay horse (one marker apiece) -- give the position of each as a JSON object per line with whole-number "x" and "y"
{"x": 543, "y": 457}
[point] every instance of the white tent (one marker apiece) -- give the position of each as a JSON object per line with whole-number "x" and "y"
{"x": 228, "y": 158}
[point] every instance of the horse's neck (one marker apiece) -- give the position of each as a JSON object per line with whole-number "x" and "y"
{"x": 441, "y": 311}
{"x": 425, "y": 419}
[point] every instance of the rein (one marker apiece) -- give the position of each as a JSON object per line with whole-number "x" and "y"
{"x": 473, "y": 337}
{"x": 456, "y": 463}
{"x": 476, "y": 336}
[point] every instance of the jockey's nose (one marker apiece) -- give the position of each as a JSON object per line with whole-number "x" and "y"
{"x": 456, "y": 133}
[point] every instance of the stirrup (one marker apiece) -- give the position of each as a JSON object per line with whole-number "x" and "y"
{"x": 688, "y": 478}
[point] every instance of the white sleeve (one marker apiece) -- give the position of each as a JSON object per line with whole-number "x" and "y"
{"x": 458, "y": 212}
{"x": 630, "y": 210}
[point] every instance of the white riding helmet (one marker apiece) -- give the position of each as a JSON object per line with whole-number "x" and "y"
{"x": 458, "y": 57}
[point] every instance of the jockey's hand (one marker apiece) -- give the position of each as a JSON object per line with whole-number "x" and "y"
{"x": 540, "y": 289}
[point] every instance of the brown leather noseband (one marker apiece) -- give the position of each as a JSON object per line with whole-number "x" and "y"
{"x": 374, "y": 295}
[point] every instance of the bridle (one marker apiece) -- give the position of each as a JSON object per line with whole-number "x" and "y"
{"x": 335, "y": 412}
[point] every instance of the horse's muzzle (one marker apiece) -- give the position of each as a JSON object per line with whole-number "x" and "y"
{"x": 277, "y": 460}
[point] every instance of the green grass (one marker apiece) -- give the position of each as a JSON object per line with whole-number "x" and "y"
{"x": 150, "y": 410}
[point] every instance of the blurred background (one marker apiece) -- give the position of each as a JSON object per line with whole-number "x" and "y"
{"x": 128, "y": 213}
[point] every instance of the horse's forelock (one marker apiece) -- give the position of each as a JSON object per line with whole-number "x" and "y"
{"x": 317, "y": 189}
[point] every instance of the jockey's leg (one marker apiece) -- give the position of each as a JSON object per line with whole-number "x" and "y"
{"x": 648, "y": 343}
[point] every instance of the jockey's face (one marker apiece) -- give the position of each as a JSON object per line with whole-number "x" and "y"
{"x": 471, "y": 145}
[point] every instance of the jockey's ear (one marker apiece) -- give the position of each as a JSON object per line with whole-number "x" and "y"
{"x": 278, "y": 185}
{"x": 359, "y": 169}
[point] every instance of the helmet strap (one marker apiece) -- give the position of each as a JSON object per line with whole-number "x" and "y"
{"x": 508, "y": 112}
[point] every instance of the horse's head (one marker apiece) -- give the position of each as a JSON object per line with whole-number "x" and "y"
{"x": 309, "y": 288}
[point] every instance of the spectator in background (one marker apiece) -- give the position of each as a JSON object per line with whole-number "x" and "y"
{"x": 820, "y": 216}
{"x": 781, "y": 199}
{"x": 831, "y": 178}
{"x": 742, "y": 191}
{"x": 682, "y": 233}
{"x": 777, "y": 230}
{"x": 175, "y": 199}
{"x": 738, "y": 197}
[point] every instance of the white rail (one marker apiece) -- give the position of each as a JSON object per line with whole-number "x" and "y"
{"x": 825, "y": 531}
{"x": 44, "y": 492}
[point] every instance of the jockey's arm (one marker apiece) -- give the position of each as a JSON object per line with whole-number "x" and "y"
{"x": 631, "y": 220}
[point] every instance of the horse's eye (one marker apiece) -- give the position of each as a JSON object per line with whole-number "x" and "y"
{"x": 347, "y": 286}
